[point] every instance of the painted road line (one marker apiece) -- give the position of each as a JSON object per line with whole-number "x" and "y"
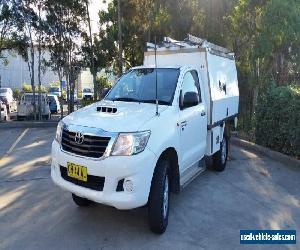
{"x": 17, "y": 141}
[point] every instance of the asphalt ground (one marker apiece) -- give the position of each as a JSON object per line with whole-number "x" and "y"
{"x": 254, "y": 192}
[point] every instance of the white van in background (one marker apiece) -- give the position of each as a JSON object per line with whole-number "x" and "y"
{"x": 6, "y": 96}
{"x": 26, "y": 108}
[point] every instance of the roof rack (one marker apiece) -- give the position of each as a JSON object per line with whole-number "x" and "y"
{"x": 191, "y": 42}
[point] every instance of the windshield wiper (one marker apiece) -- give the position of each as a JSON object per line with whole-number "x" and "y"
{"x": 154, "y": 101}
{"x": 126, "y": 99}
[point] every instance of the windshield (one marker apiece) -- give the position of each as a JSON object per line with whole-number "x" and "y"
{"x": 3, "y": 90}
{"x": 54, "y": 89}
{"x": 138, "y": 85}
{"x": 29, "y": 98}
{"x": 51, "y": 98}
{"x": 87, "y": 90}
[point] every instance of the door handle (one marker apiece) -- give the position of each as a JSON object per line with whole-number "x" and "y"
{"x": 183, "y": 124}
{"x": 203, "y": 113}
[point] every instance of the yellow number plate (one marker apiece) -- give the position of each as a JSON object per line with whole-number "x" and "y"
{"x": 77, "y": 172}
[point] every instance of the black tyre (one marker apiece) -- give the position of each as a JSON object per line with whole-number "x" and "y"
{"x": 158, "y": 206}
{"x": 81, "y": 202}
{"x": 220, "y": 157}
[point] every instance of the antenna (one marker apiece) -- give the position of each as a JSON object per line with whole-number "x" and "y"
{"x": 156, "y": 96}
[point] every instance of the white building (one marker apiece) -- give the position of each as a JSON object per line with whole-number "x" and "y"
{"x": 15, "y": 73}
{"x": 85, "y": 80}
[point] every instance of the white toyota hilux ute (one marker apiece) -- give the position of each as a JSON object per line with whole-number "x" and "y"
{"x": 150, "y": 135}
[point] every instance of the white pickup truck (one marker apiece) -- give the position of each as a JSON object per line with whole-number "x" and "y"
{"x": 128, "y": 150}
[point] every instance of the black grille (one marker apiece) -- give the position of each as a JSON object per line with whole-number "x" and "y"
{"x": 92, "y": 146}
{"x": 93, "y": 182}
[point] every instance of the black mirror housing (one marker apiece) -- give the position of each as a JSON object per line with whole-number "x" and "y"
{"x": 190, "y": 99}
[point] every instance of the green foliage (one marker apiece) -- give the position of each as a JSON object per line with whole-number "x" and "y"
{"x": 142, "y": 21}
{"x": 43, "y": 89}
{"x": 277, "y": 44}
{"x": 54, "y": 84}
{"x": 278, "y": 120}
{"x": 101, "y": 83}
{"x": 64, "y": 94}
{"x": 26, "y": 88}
{"x": 6, "y": 24}
{"x": 17, "y": 94}
{"x": 84, "y": 102}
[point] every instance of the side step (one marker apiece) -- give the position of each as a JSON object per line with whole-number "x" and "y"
{"x": 191, "y": 173}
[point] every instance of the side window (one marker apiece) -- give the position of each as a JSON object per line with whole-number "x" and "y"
{"x": 191, "y": 83}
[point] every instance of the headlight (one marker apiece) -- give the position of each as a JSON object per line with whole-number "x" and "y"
{"x": 130, "y": 143}
{"x": 59, "y": 131}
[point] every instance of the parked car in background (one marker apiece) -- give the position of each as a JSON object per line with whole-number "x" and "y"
{"x": 54, "y": 104}
{"x": 26, "y": 109}
{"x": 87, "y": 94}
{"x": 55, "y": 91}
{"x": 6, "y": 96}
{"x": 3, "y": 114}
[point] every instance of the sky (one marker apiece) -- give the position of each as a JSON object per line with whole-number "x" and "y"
{"x": 95, "y": 6}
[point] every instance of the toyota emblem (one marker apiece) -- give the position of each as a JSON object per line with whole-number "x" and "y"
{"x": 79, "y": 137}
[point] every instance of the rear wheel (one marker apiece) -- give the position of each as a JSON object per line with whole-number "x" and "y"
{"x": 158, "y": 209}
{"x": 220, "y": 157}
{"x": 81, "y": 202}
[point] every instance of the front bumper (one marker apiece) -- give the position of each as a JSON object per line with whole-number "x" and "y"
{"x": 137, "y": 168}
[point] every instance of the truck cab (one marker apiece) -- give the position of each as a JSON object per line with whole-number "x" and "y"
{"x": 150, "y": 135}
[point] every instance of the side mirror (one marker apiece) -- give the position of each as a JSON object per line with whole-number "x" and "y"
{"x": 190, "y": 99}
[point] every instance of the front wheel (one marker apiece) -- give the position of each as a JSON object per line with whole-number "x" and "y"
{"x": 220, "y": 157}
{"x": 158, "y": 209}
{"x": 81, "y": 202}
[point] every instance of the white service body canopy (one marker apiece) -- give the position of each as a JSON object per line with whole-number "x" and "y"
{"x": 217, "y": 74}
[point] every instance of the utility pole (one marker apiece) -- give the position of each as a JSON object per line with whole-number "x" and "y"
{"x": 120, "y": 59}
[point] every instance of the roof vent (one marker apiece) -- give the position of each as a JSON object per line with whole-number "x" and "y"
{"x": 107, "y": 109}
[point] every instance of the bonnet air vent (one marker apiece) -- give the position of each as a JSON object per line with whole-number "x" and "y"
{"x": 106, "y": 109}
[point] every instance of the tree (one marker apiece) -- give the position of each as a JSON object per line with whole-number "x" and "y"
{"x": 242, "y": 32}
{"x": 41, "y": 29}
{"x": 120, "y": 39}
{"x": 142, "y": 21}
{"x": 102, "y": 83}
{"x": 89, "y": 39}
{"x": 277, "y": 44}
{"x": 65, "y": 19}
{"x": 27, "y": 23}
{"x": 6, "y": 24}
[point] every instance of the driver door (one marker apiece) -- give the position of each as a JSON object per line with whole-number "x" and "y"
{"x": 193, "y": 123}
